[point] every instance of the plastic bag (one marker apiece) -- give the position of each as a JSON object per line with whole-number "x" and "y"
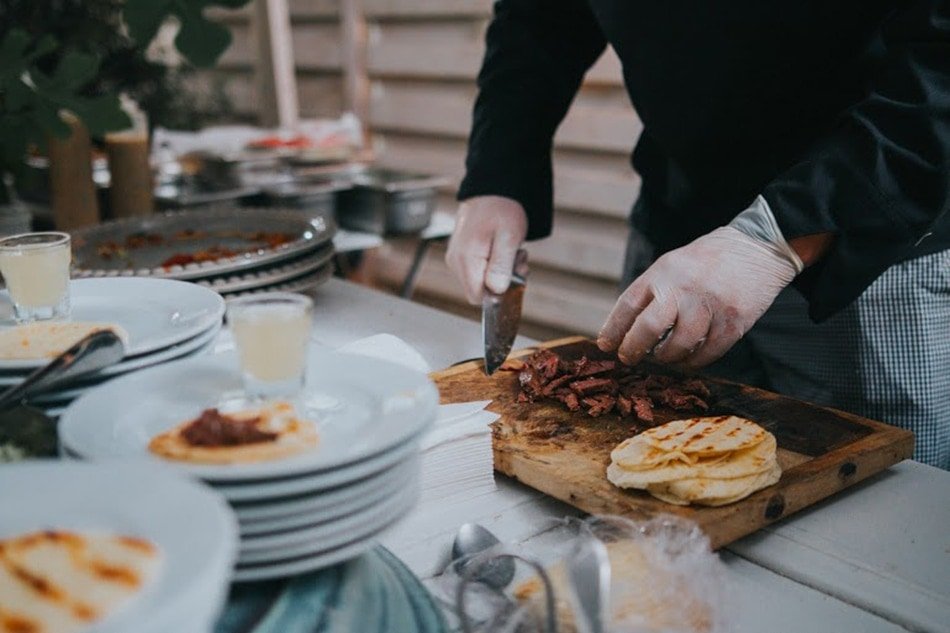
{"x": 664, "y": 578}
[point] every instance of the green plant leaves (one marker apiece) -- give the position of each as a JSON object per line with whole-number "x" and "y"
{"x": 200, "y": 40}
{"x": 31, "y": 100}
{"x": 145, "y": 17}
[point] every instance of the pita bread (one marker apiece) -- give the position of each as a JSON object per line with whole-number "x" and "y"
{"x": 707, "y": 461}
{"x": 47, "y": 339}
{"x": 739, "y": 464}
{"x": 716, "y": 492}
{"x": 66, "y": 581}
{"x": 294, "y": 436}
{"x": 634, "y": 453}
{"x": 706, "y": 436}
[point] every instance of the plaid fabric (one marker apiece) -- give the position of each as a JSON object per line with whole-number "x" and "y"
{"x": 885, "y": 357}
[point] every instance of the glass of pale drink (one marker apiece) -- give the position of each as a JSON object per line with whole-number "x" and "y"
{"x": 271, "y": 333}
{"x": 35, "y": 267}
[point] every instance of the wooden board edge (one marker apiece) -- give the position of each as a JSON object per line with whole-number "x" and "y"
{"x": 527, "y": 351}
{"x": 805, "y": 485}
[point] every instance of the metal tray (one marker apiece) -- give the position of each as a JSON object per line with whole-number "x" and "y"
{"x": 304, "y": 283}
{"x": 223, "y": 227}
{"x": 271, "y": 275}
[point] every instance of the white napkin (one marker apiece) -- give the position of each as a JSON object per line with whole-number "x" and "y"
{"x": 457, "y": 461}
{"x": 390, "y": 348}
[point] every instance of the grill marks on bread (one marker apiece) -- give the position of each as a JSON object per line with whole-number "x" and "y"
{"x": 64, "y": 581}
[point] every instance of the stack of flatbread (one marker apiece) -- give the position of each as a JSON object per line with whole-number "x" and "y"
{"x": 707, "y": 461}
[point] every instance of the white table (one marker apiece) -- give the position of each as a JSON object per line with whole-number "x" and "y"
{"x": 873, "y": 558}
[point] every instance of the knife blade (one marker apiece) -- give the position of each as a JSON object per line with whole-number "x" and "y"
{"x": 501, "y": 315}
{"x": 589, "y": 571}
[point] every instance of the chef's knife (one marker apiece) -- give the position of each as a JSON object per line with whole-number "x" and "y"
{"x": 501, "y": 315}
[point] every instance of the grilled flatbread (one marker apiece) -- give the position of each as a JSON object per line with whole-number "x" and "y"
{"x": 61, "y": 582}
{"x": 289, "y": 435}
{"x": 47, "y": 339}
{"x": 715, "y": 492}
{"x": 707, "y": 461}
{"x": 706, "y": 436}
{"x": 740, "y": 464}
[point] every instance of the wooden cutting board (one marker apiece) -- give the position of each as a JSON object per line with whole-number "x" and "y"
{"x": 566, "y": 454}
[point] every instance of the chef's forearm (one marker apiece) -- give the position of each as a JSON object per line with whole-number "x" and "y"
{"x": 536, "y": 55}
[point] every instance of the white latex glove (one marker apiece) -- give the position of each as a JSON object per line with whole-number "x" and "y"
{"x": 707, "y": 294}
{"x": 488, "y": 232}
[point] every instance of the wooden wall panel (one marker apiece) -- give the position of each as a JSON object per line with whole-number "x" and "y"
{"x": 317, "y": 53}
{"x": 423, "y": 58}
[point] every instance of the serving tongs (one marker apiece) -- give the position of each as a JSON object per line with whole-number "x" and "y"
{"x": 93, "y": 353}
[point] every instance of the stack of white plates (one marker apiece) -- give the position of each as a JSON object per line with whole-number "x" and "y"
{"x": 296, "y": 514}
{"x": 164, "y": 320}
{"x": 192, "y": 531}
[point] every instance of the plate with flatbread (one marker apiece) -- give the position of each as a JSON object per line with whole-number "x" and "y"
{"x": 111, "y": 548}
{"x": 148, "y": 314}
{"x": 379, "y": 406}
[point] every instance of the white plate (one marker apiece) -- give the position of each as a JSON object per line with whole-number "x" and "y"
{"x": 366, "y": 530}
{"x": 394, "y": 482}
{"x": 194, "y": 529}
{"x": 311, "y": 508}
{"x": 156, "y": 313}
{"x": 327, "y": 534}
{"x": 198, "y": 346}
{"x": 382, "y": 406}
{"x": 308, "y": 563}
{"x": 315, "y": 482}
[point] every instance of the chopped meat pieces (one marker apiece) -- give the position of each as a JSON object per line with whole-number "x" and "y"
{"x": 604, "y": 386}
{"x": 643, "y": 408}
{"x": 594, "y": 385}
{"x": 600, "y": 404}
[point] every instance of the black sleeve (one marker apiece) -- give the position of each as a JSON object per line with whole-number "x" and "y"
{"x": 881, "y": 181}
{"x": 537, "y": 54}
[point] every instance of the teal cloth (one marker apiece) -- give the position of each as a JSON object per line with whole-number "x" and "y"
{"x": 374, "y": 592}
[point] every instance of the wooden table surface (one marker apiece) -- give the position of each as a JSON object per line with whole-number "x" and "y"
{"x": 873, "y": 558}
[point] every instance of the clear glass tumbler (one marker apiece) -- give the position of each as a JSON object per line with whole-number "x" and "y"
{"x": 271, "y": 332}
{"x": 35, "y": 267}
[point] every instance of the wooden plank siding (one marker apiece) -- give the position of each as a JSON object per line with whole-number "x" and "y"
{"x": 317, "y": 48}
{"x": 422, "y": 60}
{"x": 422, "y": 57}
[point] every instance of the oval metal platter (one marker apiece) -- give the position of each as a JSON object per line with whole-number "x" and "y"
{"x": 304, "y": 283}
{"x": 271, "y": 275}
{"x": 218, "y": 241}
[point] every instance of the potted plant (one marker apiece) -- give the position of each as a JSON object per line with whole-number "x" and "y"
{"x": 76, "y": 56}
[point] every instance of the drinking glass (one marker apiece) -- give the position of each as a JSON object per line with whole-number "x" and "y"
{"x": 271, "y": 332}
{"x": 35, "y": 267}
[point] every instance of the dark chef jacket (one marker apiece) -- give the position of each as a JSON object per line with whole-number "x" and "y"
{"x": 836, "y": 111}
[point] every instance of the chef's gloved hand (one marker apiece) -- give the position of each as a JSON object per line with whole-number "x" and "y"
{"x": 695, "y": 302}
{"x": 489, "y": 230}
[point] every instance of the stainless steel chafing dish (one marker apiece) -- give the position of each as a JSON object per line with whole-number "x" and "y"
{"x": 386, "y": 201}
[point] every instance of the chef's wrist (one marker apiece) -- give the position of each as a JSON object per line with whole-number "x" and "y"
{"x": 811, "y": 248}
{"x": 758, "y": 222}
